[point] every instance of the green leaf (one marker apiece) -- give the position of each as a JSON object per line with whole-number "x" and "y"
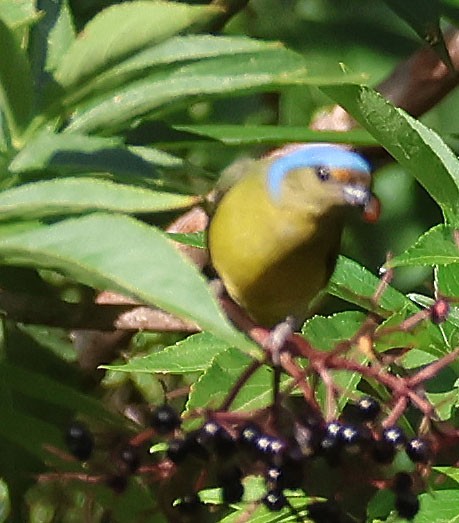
{"x": 193, "y": 354}
{"x": 174, "y": 50}
{"x": 274, "y": 134}
{"x": 82, "y": 195}
{"x": 60, "y": 36}
{"x": 5, "y": 503}
{"x": 217, "y": 381}
{"x": 325, "y": 333}
{"x": 233, "y": 75}
{"x": 122, "y": 254}
{"x": 417, "y": 148}
{"x": 435, "y": 247}
{"x": 354, "y": 283}
{"x": 43, "y": 388}
{"x": 119, "y": 32}
{"x": 444, "y": 402}
{"x": 18, "y": 14}
{"x": 451, "y": 472}
{"x": 440, "y": 506}
{"x": 48, "y": 150}
{"x": 424, "y": 18}
{"x": 194, "y": 239}
{"x": 15, "y": 84}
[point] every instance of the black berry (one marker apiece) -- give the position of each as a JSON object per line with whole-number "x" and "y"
{"x": 178, "y": 450}
{"x": 130, "y": 458}
{"x": 394, "y": 436}
{"x": 248, "y": 436}
{"x": 275, "y": 478}
{"x": 117, "y": 483}
{"x": 383, "y": 452}
{"x": 79, "y": 440}
{"x": 418, "y": 450}
{"x": 324, "y": 512}
{"x": 402, "y": 482}
{"x": 232, "y": 488}
{"x": 407, "y": 505}
{"x": 164, "y": 419}
{"x": 214, "y": 437}
{"x": 368, "y": 408}
{"x": 275, "y": 500}
{"x": 350, "y": 436}
{"x": 189, "y": 504}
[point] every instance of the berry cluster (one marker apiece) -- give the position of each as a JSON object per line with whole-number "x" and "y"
{"x": 225, "y": 450}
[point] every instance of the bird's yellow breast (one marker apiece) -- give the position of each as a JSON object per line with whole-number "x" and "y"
{"x": 272, "y": 258}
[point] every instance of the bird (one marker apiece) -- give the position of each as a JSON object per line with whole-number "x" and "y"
{"x": 275, "y": 234}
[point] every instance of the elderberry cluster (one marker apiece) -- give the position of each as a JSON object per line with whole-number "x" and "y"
{"x": 225, "y": 451}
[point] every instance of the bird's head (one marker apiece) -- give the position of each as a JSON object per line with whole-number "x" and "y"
{"x": 319, "y": 176}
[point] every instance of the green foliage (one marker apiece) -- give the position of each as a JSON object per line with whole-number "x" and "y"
{"x": 108, "y": 133}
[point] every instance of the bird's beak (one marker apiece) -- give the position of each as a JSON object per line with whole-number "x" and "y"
{"x": 361, "y": 196}
{"x": 357, "y": 194}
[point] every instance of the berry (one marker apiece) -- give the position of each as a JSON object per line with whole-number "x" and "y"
{"x": 232, "y": 488}
{"x": 177, "y": 450}
{"x": 402, "y": 482}
{"x": 165, "y": 420}
{"x": 215, "y": 437}
{"x": 324, "y": 512}
{"x": 333, "y": 429}
{"x": 275, "y": 500}
{"x": 189, "y": 504}
{"x": 383, "y": 452}
{"x": 407, "y": 504}
{"x": 79, "y": 440}
{"x": 368, "y": 408}
{"x": 275, "y": 478}
{"x": 117, "y": 483}
{"x": 249, "y": 435}
{"x": 418, "y": 450}
{"x": 350, "y": 436}
{"x": 394, "y": 435}
{"x": 130, "y": 458}
{"x": 269, "y": 448}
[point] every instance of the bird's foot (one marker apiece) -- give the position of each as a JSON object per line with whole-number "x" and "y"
{"x": 278, "y": 337}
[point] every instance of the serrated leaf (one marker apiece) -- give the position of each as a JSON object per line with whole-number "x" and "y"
{"x": 450, "y": 472}
{"x": 15, "y": 83}
{"x": 444, "y": 402}
{"x": 435, "y": 247}
{"x": 417, "y": 148}
{"x": 120, "y": 31}
{"x": 194, "y": 239}
{"x": 122, "y": 254}
{"x": 440, "y": 506}
{"x": 82, "y": 195}
{"x": 217, "y": 381}
{"x": 325, "y": 333}
{"x": 354, "y": 283}
{"x": 193, "y": 354}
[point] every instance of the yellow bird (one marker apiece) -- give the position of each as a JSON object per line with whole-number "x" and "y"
{"x": 275, "y": 235}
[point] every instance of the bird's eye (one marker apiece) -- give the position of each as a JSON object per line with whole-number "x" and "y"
{"x": 323, "y": 173}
